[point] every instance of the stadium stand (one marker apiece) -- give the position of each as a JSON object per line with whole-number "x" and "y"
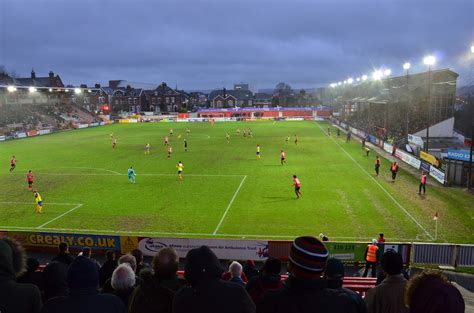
{"x": 59, "y": 288}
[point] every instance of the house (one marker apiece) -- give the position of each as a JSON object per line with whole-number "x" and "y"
{"x": 224, "y": 98}
{"x": 262, "y": 99}
{"x": 165, "y": 99}
{"x": 126, "y": 99}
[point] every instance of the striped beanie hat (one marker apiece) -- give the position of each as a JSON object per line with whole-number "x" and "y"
{"x": 308, "y": 257}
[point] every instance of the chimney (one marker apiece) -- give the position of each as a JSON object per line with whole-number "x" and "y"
{"x": 224, "y": 92}
{"x": 33, "y": 74}
{"x": 51, "y": 75}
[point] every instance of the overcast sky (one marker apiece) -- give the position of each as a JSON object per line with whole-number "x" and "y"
{"x": 210, "y": 44}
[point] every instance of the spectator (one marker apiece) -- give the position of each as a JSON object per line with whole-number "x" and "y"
{"x": 235, "y": 270}
{"x": 128, "y": 259}
{"x": 388, "y": 296}
{"x": 323, "y": 237}
{"x": 31, "y": 276}
{"x": 15, "y": 297}
{"x": 84, "y": 296}
{"x": 207, "y": 292}
{"x": 371, "y": 258}
{"x": 269, "y": 280}
{"x": 250, "y": 270}
{"x": 55, "y": 280}
{"x": 431, "y": 292}
{"x": 156, "y": 292}
{"x": 123, "y": 282}
{"x": 381, "y": 238}
{"x": 334, "y": 274}
{"x": 108, "y": 268}
{"x": 63, "y": 255}
{"x": 226, "y": 276}
{"x": 139, "y": 258}
{"x": 305, "y": 289}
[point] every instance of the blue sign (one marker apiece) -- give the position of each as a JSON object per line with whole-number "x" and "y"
{"x": 461, "y": 155}
{"x": 425, "y": 166}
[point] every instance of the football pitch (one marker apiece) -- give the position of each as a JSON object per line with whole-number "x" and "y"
{"x": 226, "y": 191}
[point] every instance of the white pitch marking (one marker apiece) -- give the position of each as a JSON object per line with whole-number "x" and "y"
{"x": 138, "y": 174}
{"x": 58, "y": 217}
{"x": 378, "y": 184}
{"x": 228, "y": 206}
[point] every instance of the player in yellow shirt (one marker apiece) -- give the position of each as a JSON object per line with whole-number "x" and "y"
{"x": 227, "y": 137}
{"x": 39, "y": 202}
{"x": 258, "y": 152}
{"x": 180, "y": 168}
{"x": 147, "y": 148}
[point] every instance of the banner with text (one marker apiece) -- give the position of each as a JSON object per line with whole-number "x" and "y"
{"x": 75, "y": 241}
{"x": 428, "y": 158}
{"x": 437, "y": 174}
{"x": 405, "y": 157}
{"x": 224, "y": 249}
{"x": 461, "y": 155}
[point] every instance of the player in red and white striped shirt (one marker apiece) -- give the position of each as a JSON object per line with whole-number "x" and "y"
{"x": 297, "y": 184}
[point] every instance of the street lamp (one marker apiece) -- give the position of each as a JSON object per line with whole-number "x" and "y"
{"x": 472, "y": 49}
{"x": 377, "y": 75}
{"x": 428, "y": 60}
{"x": 350, "y": 81}
{"x": 32, "y": 89}
{"x": 364, "y": 77}
{"x": 406, "y": 66}
{"x": 339, "y": 83}
{"x": 11, "y": 88}
{"x": 387, "y": 72}
{"x": 77, "y": 91}
{"x": 358, "y": 79}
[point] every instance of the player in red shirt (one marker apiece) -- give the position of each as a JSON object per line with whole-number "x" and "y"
{"x": 297, "y": 184}
{"x": 29, "y": 179}
{"x": 12, "y": 164}
{"x": 283, "y": 157}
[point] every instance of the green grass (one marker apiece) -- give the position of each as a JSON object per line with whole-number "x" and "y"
{"x": 341, "y": 196}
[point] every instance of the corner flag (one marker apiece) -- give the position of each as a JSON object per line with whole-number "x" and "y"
{"x": 436, "y": 216}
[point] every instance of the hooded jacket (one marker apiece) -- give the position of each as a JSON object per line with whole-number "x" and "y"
{"x": 154, "y": 294}
{"x": 15, "y": 297}
{"x": 84, "y": 297}
{"x": 207, "y": 292}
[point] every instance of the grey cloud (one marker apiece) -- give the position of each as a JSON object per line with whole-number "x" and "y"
{"x": 207, "y": 44}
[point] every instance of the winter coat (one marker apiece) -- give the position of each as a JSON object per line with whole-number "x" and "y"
{"x": 257, "y": 287}
{"x": 65, "y": 258}
{"x": 15, "y": 297}
{"x": 86, "y": 300}
{"x": 388, "y": 297}
{"x": 154, "y": 295}
{"x": 106, "y": 271}
{"x": 213, "y": 296}
{"x": 305, "y": 296}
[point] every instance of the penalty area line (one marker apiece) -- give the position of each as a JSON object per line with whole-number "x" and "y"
{"x": 378, "y": 184}
{"x": 58, "y": 217}
{"x": 229, "y": 205}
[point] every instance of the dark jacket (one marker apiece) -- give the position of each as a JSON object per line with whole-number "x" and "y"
{"x": 154, "y": 295}
{"x": 207, "y": 292}
{"x": 15, "y": 297}
{"x": 257, "y": 287}
{"x": 124, "y": 295}
{"x": 87, "y": 300}
{"x": 305, "y": 296}
{"x": 106, "y": 271}
{"x": 213, "y": 296}
{"x": 238, "y": 281}
{"x": 84, "y": 296}
{"x": 336, "y": 284}
{"x": 63, "y": 258}
{"x": 55, "y": 280}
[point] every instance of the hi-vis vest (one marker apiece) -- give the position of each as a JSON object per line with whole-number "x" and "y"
{"x": 423, "y": 179}
{"x": 394, "y": 167}
{"x": 372, "y": 253}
